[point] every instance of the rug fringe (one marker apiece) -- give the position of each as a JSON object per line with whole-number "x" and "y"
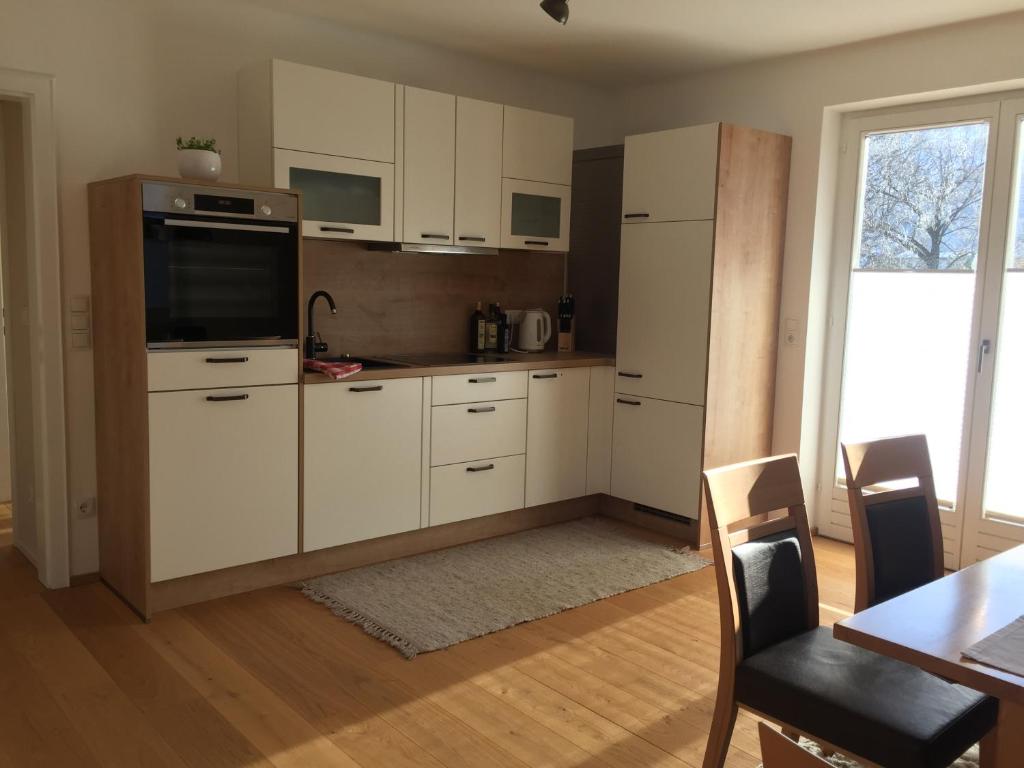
{"x": 367, "y": 624}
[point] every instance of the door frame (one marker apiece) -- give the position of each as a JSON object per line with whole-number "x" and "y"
{"x": 35, "y": 92}
{"x": 846, "y": 231}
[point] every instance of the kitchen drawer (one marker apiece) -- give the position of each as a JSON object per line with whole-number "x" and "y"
{"x": 477, "y": 387}
{"x": 229, "y": 367}
{"x": 470, "y": 431}
{"x": 476, "y": 489}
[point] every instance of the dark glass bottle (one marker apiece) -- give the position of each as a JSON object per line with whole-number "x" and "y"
{"x": 478, "y": 329}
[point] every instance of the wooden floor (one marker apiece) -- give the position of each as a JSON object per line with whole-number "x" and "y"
{"x": 272, "y": 679}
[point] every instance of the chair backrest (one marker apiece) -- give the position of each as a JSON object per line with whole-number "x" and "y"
{"x": 897, "y": 535}
{"x": 764, "y": 563}
{"x": 777, "y": 751}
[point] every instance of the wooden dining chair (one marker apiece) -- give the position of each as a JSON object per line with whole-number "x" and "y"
{"x": 778, "y": 751}
{"x": 778, "y": 663}
{"x": 897, "y": 536}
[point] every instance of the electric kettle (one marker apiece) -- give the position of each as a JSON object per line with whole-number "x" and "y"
{"x": 534, "y": 330}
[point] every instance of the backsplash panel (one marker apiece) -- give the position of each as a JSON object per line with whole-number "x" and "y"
{"x": 406, "y": 303}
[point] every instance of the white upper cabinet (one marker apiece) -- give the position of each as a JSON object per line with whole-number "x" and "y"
{"x": 556, "y": 430}
{"x": 670, "y": 175}
{"x": 429, "y": 194}
{"x": 537, "y": 146}
{"x": 477, "y": 172}
{"x": 664, "y": 308}
{"x": 535, "y": 215}
{"x": 332, "y": 113}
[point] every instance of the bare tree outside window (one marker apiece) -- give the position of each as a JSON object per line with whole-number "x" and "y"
{"x": 922, "y": 199}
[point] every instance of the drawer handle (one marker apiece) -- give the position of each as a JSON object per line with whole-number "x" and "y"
{"x": 472, "y": 238}
{"x": 428, "y": 236}
{"x": 376, "y": 388}
{"x": 344, "y": 230}
{"x": 545, "y": 375}
{"x": 626, "y": 375}
{"x": 227, "y": 359}
{"x": 484, "y": 380}
{"x": 637, "y": 216}
{"x": 484, "y": 468}
{"x": 627, "y": 402}
{"x": 482, "y": 409}
{"x": 225, "y": 398}
{"x": 537, "y": 242}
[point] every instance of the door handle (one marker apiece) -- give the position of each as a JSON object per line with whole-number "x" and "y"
{"x": 627, "y": 402}
{"x": 377, "y": 388}
{"x": 484, "y": 468}
{"x": 537, "y": 242}
{"x": 636, "y": 216}
{"x": 545, "y": 375}
{"x": 626, "y": 375}
{"x": 482, "y": 409}
{"x": 483, "y": 380}
{"x": 227, "y": 359}
{"x": 428, "y": 236}
{"x": 225, "y": 398}
{"x": 344, "y": 230}
{"x": 983, "y": 349}
{"x": 473, "y": 239}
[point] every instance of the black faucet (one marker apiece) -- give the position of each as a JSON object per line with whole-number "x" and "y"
{"x": 313, "y": 345}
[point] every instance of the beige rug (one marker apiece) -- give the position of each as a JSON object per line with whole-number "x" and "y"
{"x": 969, "y": 760}
{"x": 431, "y": 601}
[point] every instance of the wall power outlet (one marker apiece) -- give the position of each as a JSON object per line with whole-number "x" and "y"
{"x": 86, "y": 509}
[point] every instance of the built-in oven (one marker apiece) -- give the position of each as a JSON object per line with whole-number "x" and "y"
{"x": 221, "y": 266}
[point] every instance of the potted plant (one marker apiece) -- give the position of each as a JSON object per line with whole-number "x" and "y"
{"x": 198, "y": 159}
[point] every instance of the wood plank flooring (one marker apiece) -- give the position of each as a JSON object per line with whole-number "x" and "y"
{"x": 272, "y": 679}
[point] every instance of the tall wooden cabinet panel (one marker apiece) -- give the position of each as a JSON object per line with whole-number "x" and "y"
{"x": 664, "y": 296}
{"x": 670, "y": 175}
{"x": 362, "y": 454}
{"x": 704, "y": 212}
{"x": 429, "y": 160}
{"x": 478, "y": 127}
{"x": 556, "y": 435}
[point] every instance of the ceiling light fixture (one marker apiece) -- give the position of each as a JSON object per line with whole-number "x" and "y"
{"x": 556, "y": 9}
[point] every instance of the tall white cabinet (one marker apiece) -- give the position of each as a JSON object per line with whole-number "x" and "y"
{"x": 703, "y": 221}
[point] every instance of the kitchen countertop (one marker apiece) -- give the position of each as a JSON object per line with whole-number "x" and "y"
{"x": 513, "y": 361}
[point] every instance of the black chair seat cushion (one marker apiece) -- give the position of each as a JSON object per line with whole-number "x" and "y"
{"x": 881, "y": 709}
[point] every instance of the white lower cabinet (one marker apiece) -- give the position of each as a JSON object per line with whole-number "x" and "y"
{"x": 656, "y": 454}
{"x": 469, "y": 431}
{"x": 556, "y": 444}
{"x": 476, "y": 488}
{"x": 223, "y": 478}
{"x": 362, "y": 457}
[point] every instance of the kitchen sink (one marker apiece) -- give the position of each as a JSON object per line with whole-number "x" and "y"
{"x": 369, "y": 363}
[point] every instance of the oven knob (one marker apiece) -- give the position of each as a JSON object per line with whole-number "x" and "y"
{"x": 179, "y": 202}
{"x": 265, "y": 210}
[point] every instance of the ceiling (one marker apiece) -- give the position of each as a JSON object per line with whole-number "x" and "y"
{"x": 618, "y": 42}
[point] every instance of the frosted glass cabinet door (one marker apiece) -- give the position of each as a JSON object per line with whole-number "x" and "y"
{"x": 534, "y": 216}
{"x": 341, "y": 198}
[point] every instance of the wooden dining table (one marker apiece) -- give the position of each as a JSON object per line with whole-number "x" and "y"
{"x": 931, "y": 626}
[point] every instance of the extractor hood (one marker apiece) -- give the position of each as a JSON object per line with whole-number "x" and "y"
{"x": 469, "y": 250}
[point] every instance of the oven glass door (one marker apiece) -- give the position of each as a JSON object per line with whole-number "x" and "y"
{"x": 213, "y": 281}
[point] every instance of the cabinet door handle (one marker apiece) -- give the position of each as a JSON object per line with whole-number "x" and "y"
{"x": 345, "y": 230}
{"x": 627, "y": 375}
{"x": 545, "y": 375}
{"x": 376, "y": 388}
{"x": 472, "y": 238}
{"x": 227, "y": 359}
{"x": 537, "y": 242}
{"x": 483, "y": 380}
{"x": 428, "y": 236}
{"x": 482, "y": 409}
{"x": 225, "y": 398}
{"x": 484, "y": 468}
{"x": 627, "y": 402}
{"x": 637, "y": 216}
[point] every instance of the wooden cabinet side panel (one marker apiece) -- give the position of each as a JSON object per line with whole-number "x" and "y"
{"x": 750, "y": 228}
{"x": 119, "y": 343}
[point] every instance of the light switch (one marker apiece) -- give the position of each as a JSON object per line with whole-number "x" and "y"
{"x": 80, "y": 340}
{"x": 79, "y": 303}
{"x": 791, "y": 332}
{"x": 79, "y": 321}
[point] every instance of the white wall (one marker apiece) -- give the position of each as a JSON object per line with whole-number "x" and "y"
{"x": 131, "y": 75}
{"x": 803, "y": 96}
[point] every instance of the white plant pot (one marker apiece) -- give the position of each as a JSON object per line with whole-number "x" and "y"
{"x": 199, "y": 164}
